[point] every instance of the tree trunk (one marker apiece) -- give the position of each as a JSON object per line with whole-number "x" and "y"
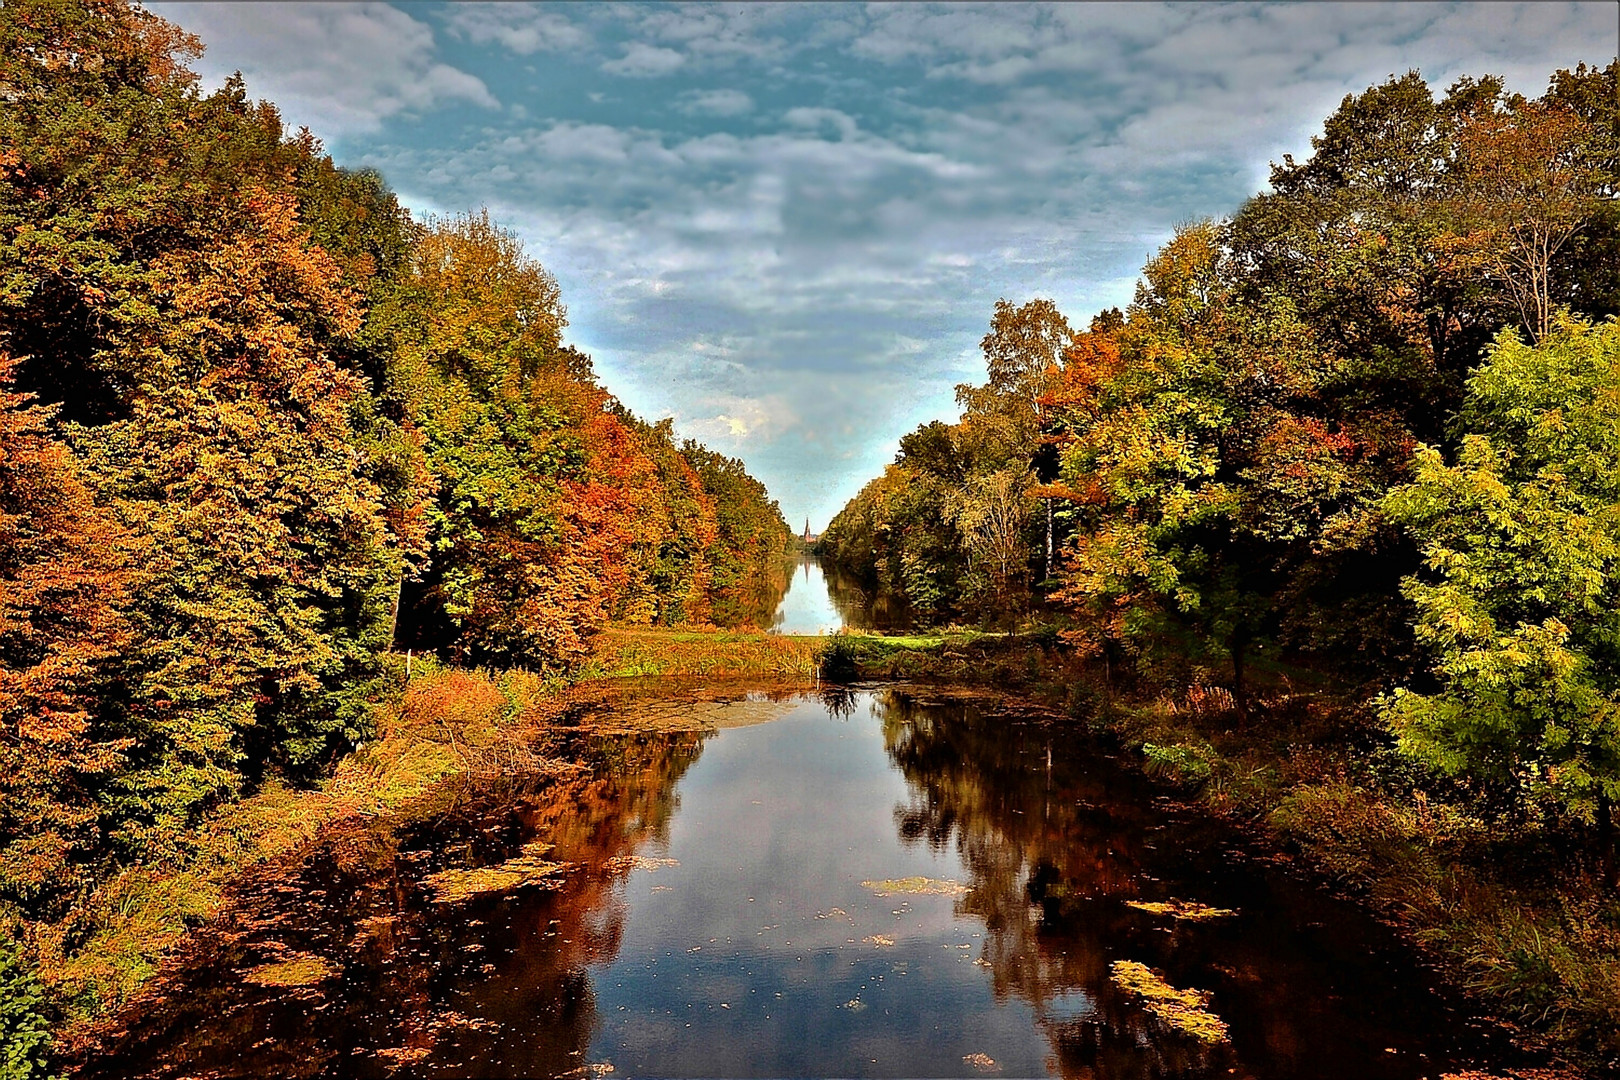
{"x": 1047, "y": 575}
{"x": 1240, "y": 689}
{"x": 393, "y": 620}
{"x": 1606, "y": 845}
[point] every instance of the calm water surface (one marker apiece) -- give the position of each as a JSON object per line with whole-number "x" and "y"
{"x": 714, "y": 921}
{"x": 822, "y": 600}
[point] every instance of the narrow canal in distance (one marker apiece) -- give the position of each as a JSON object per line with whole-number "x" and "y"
{"x": 821, "y": 600}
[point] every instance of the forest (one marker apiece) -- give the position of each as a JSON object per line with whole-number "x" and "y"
{"x": 1367, "y": 428}
{"x": 307, "y": 508}
{"x": 263, "y": 435}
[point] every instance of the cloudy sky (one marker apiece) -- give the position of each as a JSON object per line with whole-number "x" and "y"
{"x": 786, "y": 225}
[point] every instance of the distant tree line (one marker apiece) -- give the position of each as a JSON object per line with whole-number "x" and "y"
{"x": 259, "y": 429}
{"x": 1369, "y": 424}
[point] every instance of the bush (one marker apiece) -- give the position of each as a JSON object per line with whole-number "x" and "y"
{"x": 1183, "y": 764}
{"x": 837, "y": 660}
{"x": 25, "y": 1034}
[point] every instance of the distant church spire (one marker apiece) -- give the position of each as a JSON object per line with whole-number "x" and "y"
{"x": 807, "y": 530}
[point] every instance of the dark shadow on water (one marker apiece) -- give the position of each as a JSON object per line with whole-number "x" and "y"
{"x": 1056, "y": 842}
{"x": 419, "y": 987}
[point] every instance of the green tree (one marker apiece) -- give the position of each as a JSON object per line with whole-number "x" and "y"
{"x": 1519, "y": 598}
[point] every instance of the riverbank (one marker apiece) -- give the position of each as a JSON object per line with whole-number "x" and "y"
{"x": 1518, "y": 917}
{"x": 442, "y": 723}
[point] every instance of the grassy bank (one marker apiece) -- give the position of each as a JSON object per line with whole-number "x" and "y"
{"x": 1516, "y": 913}
{"x": 630, "y": 652}
{"x": 441, "y": 723}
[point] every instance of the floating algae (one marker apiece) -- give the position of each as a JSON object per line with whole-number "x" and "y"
{"x": 303, "y": 969}
{"x": 454, "y": 886}
{"x": 1182, "y": 910}
{"x": 916, "y": 886}
{"x": 1182, "y": 1010}
{"x": 636, "y": 862}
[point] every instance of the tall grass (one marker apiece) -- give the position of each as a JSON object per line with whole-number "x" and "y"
{"x": 628, "y": 652}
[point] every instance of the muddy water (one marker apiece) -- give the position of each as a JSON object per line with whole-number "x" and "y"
{"x": 722, "y": 912}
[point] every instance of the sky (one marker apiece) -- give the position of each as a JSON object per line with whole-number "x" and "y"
{"x": 786, "y": 225}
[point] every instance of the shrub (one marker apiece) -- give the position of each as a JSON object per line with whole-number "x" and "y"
{"x": 837, "y": 661}
{"x": 25, "y": 1034}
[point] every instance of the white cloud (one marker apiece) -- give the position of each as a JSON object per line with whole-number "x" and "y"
{"x": 339, "y": 69}
{"x": 521, "y": 28}
{"x": 810, "y": 281}
{"x": 643, "y": 61}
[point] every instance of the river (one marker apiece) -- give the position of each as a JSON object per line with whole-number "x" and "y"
{"x": 851, "y": 883}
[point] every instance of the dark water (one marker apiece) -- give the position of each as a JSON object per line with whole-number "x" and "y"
{"x": 743, "y": 943}
{"x": 820, "y": 599}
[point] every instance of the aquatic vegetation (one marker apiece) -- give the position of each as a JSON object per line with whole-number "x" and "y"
{"x": 625, "y": 863}
{"x": 880, "y": 940}
{"x": 397, "y": 1056}
{"x": 1182, "y": 1010}
{"x": 1181, "y": 910}
{"x": 916, "y": 886}
{"x": 591, "y": 1069}
{"x": 1183, "y": 764}
{"x": 455, "y": 886}
{"x": 980, "y": 1061}
{"x": 836, "y": 661}
{"x": 302, "y": 969}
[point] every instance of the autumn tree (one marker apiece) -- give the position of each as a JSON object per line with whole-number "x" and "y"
{"x": 1522, "y": 188}
{"x": 65, "y": 576}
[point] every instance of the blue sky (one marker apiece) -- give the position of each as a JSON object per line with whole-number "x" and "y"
{"x": 786, "y": 225}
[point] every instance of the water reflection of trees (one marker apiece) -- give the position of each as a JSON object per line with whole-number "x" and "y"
{"x": 1055, "y": 843}
{"x": 495, "y": 986}
{"x": 864, "y": 608}
{"x": 1042, "y": 845}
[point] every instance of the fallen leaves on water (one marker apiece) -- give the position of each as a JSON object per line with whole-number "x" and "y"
{"x": 454, "y": 886}
{"x": 403, "y": 1055}
{"x": 636, "y": 862}
{"x": 916, "y": 886}
{"x": 835, "y": 913}
{"x": 982, "y": 1062}
{"x": 880, "y": 940}
{"x": 303, "y": 969}
{"x": 1181, "y": 910}
{"x": 1182, "y": 1010}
